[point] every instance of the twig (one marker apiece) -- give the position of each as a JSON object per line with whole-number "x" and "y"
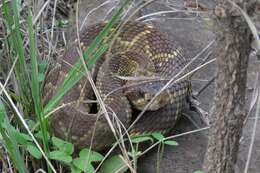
{"x": 204, "y": 86}
{"x": 53, "y": 19}
{"x": 175, "y": 136}
{"x": 253, "y": 133}
{"x": 9, "y": 163}
{"x": 91, "y": 11}
{"x": 40, "y": 12}
{"x": 164, "y": 12}
{"x": 254, "y": 97}
{"x": 9, "y": 74}
{"x": 250, "y": 24}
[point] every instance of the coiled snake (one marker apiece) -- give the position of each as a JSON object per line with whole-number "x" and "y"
{"x": 139, "y": 52}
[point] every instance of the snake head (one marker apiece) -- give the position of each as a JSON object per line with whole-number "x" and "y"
{"x": 142, "y": 94}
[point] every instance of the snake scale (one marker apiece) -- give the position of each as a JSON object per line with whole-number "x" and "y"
{"x": 140, "y": 52}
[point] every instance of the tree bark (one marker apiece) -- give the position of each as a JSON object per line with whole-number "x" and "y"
{"x": 228, "y": 113}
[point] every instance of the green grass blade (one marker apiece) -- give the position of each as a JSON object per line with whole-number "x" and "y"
{"x": 35, "y": 89}
{"x": 15, "y": 41}
{"x": 10, "y": 141}
{"x": 35, "y": 84}
{"x": 74, "y": 75}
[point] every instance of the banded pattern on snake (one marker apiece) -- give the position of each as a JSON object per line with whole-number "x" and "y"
{"x": 122, "y": 77}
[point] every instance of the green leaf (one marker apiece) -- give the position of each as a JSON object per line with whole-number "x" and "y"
{"x": 42, "y": 65}
{"x": 21, "y": 138}
{"x": 90, "y": 168}
{"x": 158, "y": 136}
{"x": 113, "y": 164}
{"x": 134, "y": 153}
{"x": 2, "y": 112}
{"x": 63, "y": 145}
{"x": 60, "y": 156}
{"x": 41, "y": 77}
{"x": 9, "y": 140}
{"x": 42, "y": 68}
{"x": 68, "y": 148}
{"x": 83, "y": 165}
{"x": 171, "y": 142}
{"x": 91, "y": 155}
{"x": 198, "y": 172}
{"x": 30, "y": 123}
{"x": 80, "y": 163}
{"x": 141, "y": 139}
{"x": 34, "y": 151}
{"x": 39, "y": 135}
{"x": 74, "y": 169}
{"x": 62, "y": 23}
{"x": 57, "y": 142}
{"x": 86, "y": 156}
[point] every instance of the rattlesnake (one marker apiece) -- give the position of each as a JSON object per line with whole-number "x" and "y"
{"x": 139, "y": 51}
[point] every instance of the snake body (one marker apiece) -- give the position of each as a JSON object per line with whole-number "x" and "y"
{"x": 140, "y": 52}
